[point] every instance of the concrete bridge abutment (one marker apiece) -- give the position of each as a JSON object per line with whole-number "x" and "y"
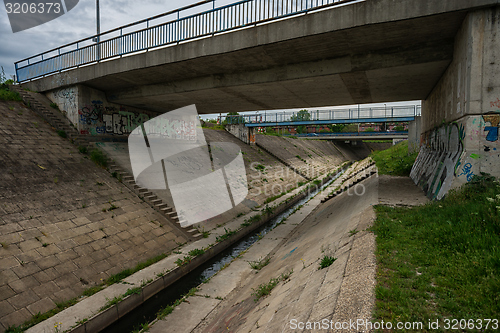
{"x": 461, "y": 116}
{"x": 92, "y": 114}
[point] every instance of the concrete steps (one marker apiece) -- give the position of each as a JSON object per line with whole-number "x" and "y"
{"x": 59, "y": 121}
{"x": 366, "y": 170}
{"x": 53, "y": 116}
{"x": 153, "y": 200}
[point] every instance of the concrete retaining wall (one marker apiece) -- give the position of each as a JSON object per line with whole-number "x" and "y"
{"x": 245, "y": 134}
{"x": 460, "y": 118}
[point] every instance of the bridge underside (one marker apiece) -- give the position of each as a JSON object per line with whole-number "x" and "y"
{"x": 361, "y": 65}
{"x": 308, "y": 61}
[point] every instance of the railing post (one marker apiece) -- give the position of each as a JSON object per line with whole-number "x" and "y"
{"x": 213, "y": 17}
{"x": 178, "y": 27}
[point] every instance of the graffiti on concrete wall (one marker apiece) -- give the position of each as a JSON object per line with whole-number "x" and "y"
{"x": 492, "y": 131}
{"x": 98, "y": 119}
{"x": 467, "y": 171}
{"x": 439, "y": 159}
{"x": 68, "y": 98}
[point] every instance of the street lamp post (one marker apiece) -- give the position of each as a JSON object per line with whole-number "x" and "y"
{"x": 98, "y": 26}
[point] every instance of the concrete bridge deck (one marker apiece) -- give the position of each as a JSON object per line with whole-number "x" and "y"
{"x": 363, "y": 52}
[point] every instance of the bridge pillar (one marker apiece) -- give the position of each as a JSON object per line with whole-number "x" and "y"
{"x": 461, "y": 116}
{"x": 414, "y": 131}
{"x": 245, "y": 134}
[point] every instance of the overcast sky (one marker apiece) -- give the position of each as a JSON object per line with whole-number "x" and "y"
{"x": 77, "y": 24}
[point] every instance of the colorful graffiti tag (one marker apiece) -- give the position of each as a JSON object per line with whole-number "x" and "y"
{"x": 494, "y": 120}
{"x": 98, "y": 119}
{"x": 439, "y": 159}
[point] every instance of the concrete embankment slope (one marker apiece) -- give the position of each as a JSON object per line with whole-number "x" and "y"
{"x": 266, "y": 176}
{"x": 336, "y": 293}
{"x": 310, "y": 158}
{"x": 65, "y": 224}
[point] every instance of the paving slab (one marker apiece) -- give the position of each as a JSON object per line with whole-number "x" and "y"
{"x": 309, "y": 293}
{"x": 186, "y": 316}
{"x": 56, "y": 239}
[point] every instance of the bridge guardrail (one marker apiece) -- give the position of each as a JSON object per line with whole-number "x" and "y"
{"x": 263, "y": 117}
{"x": 182, "y": 25}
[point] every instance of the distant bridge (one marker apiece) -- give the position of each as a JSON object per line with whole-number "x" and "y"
{"x": 323, "y": 117}
{"x": 356, "y": 136}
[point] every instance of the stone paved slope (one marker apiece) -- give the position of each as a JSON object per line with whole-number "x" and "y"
{"x": 310, "y": 158}
{"x": 58, "y": 235}
{"x": 274, "y": 179}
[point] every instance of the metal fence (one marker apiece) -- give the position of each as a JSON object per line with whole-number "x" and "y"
{"x": 181, "y": 25}
{"x": 323, "y": 116}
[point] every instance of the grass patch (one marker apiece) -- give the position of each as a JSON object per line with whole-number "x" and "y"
{"x": 259, "y": 167}
{"x": 395, "y": 161}
{"x": 326, "y": 261}
{"x": 82, "y": 149}
{"x": 264, "y": 289}
{"x": 225, "y": 236}
{"x": 99, "y": 158}
{"x": 126, "y": 273}
{"x": 39, "y": 317}
{"x": 62, "y": 134}
{"x": 259, "y": 264}
{"x": 196, "y": 252}
{"x": 5, "y": 93}
{"x": 184, "y": 261}
{"x": 442, "y": 260}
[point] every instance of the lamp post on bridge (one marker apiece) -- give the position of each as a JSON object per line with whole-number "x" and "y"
{"x": 98, "y": 26}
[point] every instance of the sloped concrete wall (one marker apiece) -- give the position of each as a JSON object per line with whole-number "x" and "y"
{"x": 460, "y": 118}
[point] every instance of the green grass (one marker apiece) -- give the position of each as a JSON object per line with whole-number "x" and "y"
{"x": 326, "y": 261}
{"x": 186, "y": 260}
{"x": 265, "y": 289}
{"x": 62, "y": 134}
{"x": 7, "y": 95}
{"x": 99, "y": 158}
{"x": 395, "y": 161}
{"x": 196, "y": 252}
{"x": 225, "y": 236}
{"x": 441, "y": 260}
{"x": 39, "y": 317}
{"x": 82, "y": 149}
{"x": 259, "y": 264}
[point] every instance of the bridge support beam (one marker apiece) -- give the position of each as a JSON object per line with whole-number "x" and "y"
{"x": 461, "y": 116}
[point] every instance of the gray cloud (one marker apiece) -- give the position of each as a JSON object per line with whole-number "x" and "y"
{"x": 77, "y": 24}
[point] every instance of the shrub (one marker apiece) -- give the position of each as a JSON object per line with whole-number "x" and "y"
{"x": 99, "y": 158}
{"x": 62, "y": 134}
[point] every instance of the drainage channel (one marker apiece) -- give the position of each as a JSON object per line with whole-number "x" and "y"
{"x": 146, "y": 312}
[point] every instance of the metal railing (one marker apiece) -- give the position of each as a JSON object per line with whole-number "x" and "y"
{"x": 181, "y": 25}
{"x": 266, "y": 118}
